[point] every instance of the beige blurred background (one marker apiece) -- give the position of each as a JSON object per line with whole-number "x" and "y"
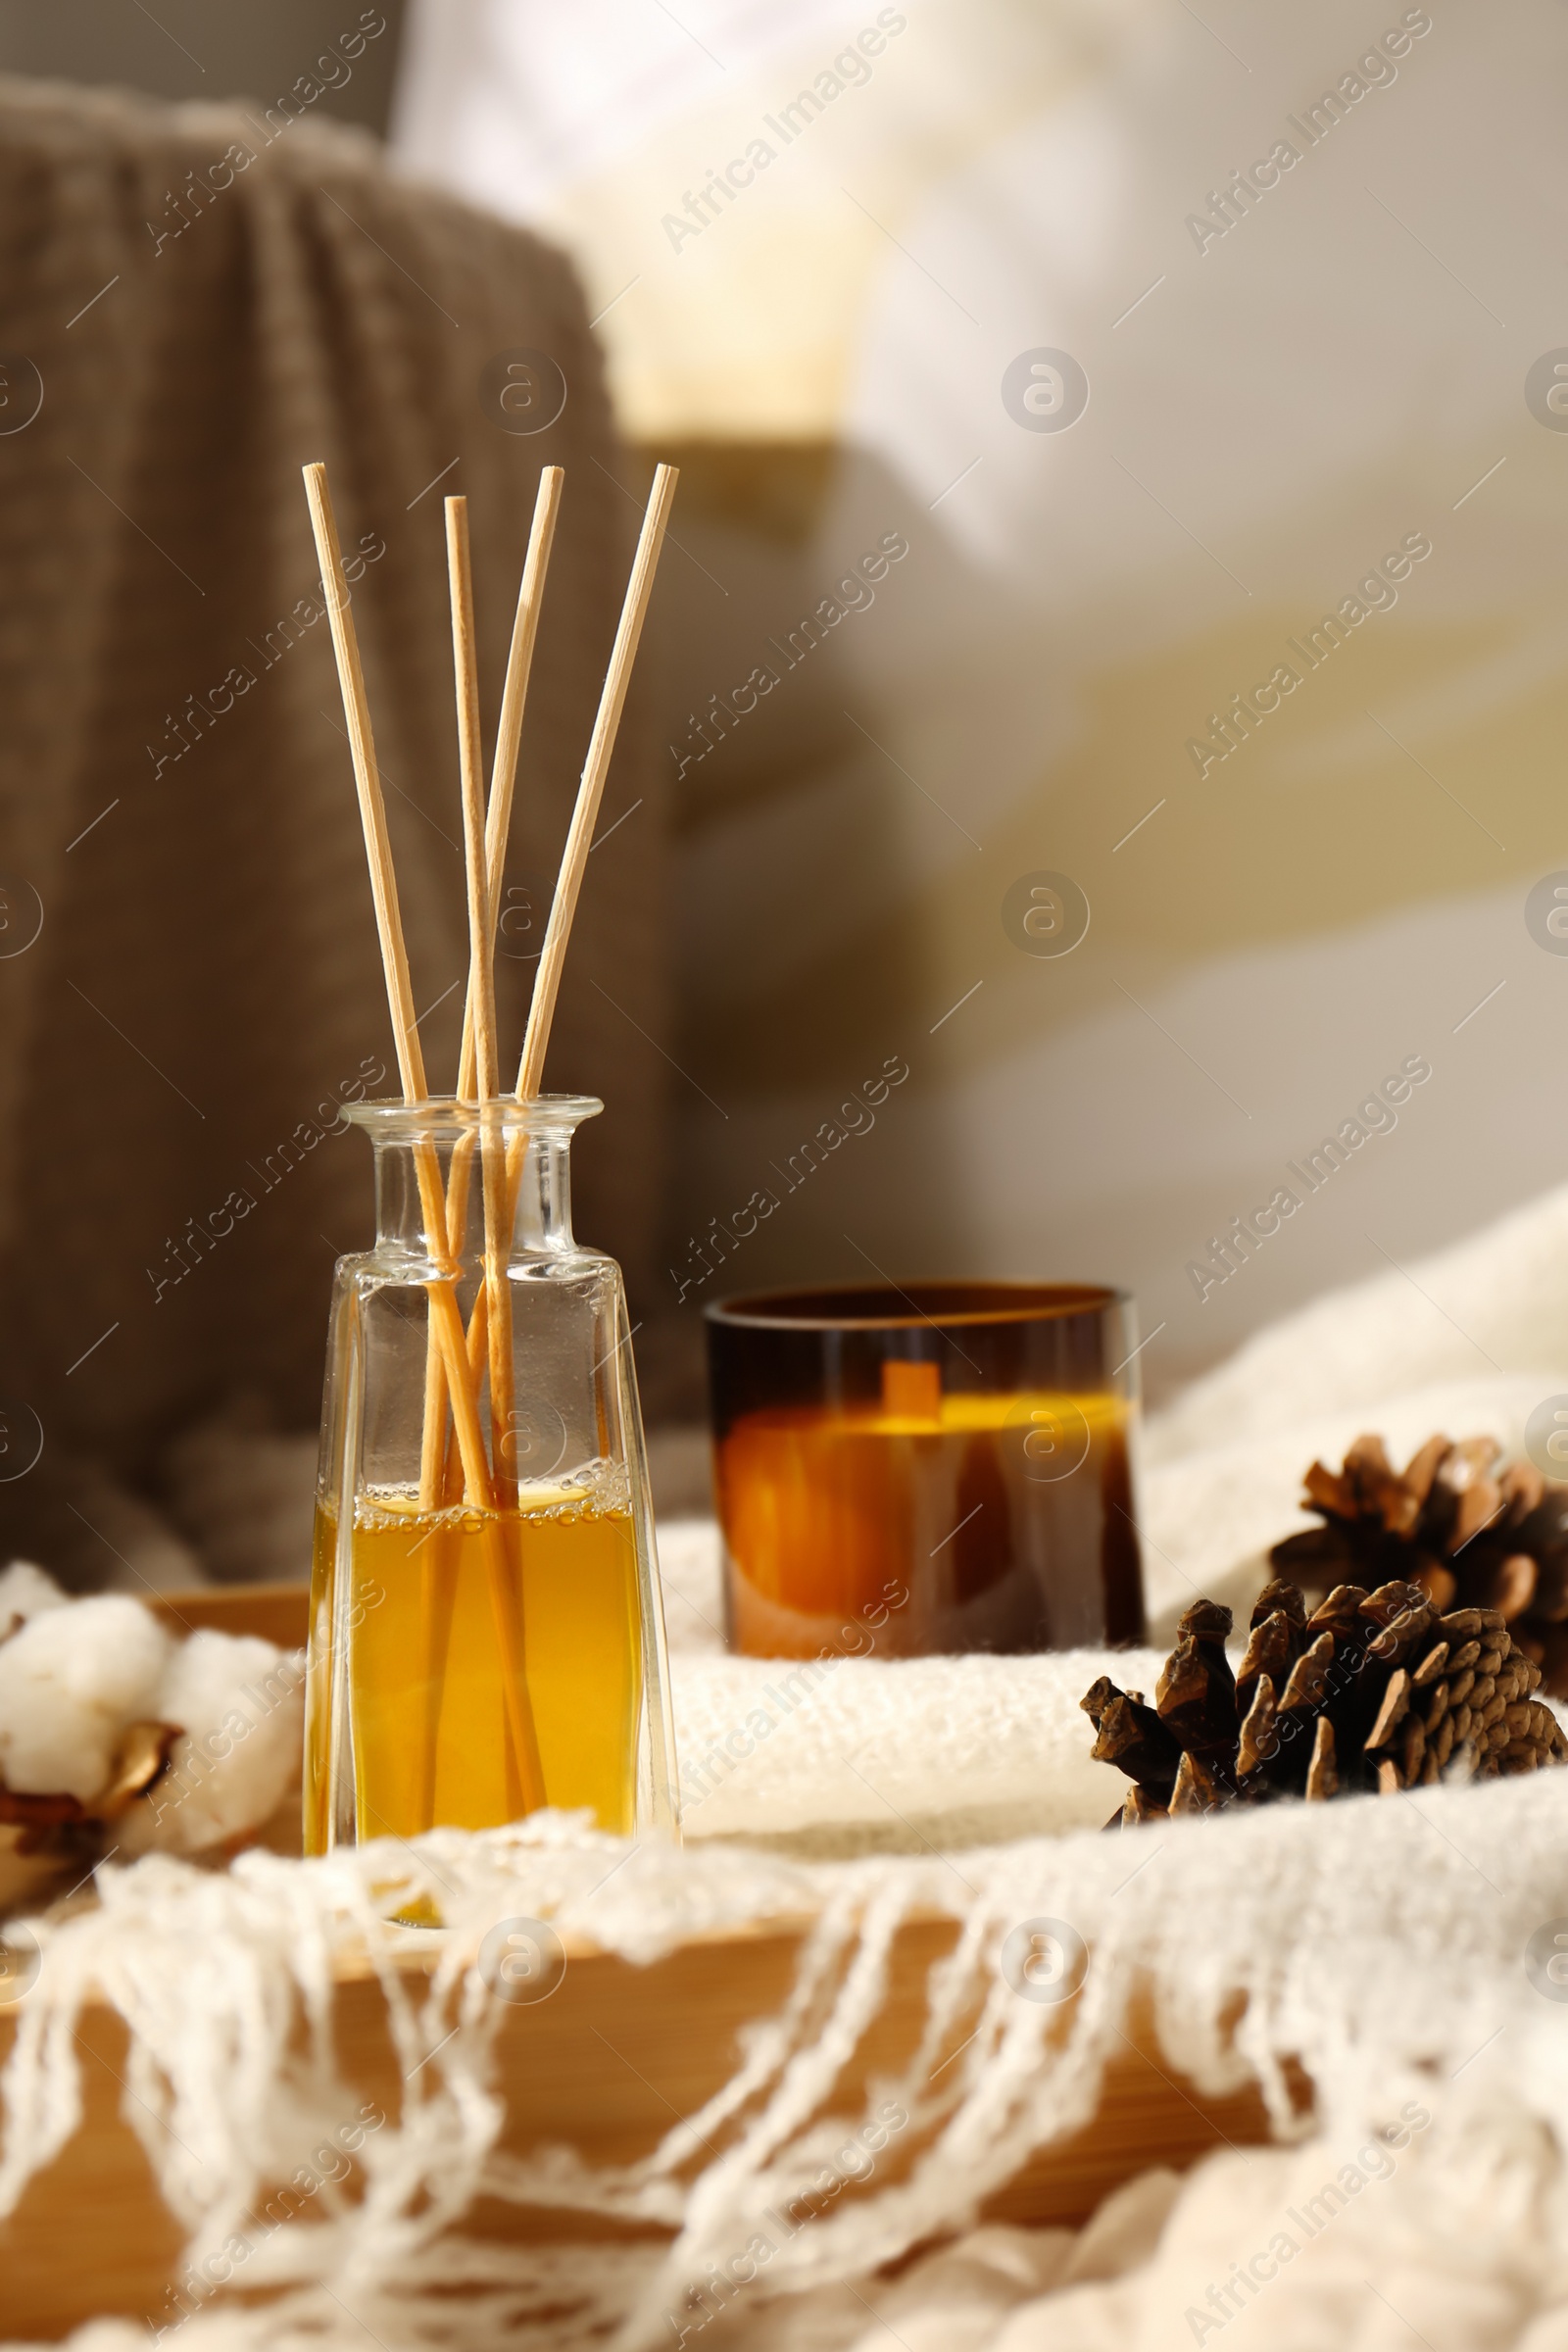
{"x": 1271, "y": 411}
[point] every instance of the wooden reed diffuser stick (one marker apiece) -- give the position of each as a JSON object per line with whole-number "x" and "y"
{"x": 590, "y": 791}
{"x": 482, "y": 999}
{"x": 509, "y": 734}
{"x": 502, "y": 1567}
{"x": 441, "y": 1291}
{"x": 579, "y": 837}
{"x": 367, "y": 780}
{"x": 498, "y": 827}
{"x": 596, "y": 768}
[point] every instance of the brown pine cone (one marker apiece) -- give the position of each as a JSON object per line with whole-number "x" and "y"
{"x": 1372, "y": 1693}
{"x": 1472, "y": 1530}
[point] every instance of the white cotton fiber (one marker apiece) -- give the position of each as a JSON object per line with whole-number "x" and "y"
{"x": 71, "y": 1680}
{"x": 241, "y": 1703}
{"x": 24, "y": 1590}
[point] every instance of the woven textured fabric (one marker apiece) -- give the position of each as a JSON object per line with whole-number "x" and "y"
{"x": 1380, "y": 1945}
{"x": 176, "y": 789}
{"x": 1402, "y": 1952}
{"x": 828, "y": 1757}
{"x": 1493, "y": 1304}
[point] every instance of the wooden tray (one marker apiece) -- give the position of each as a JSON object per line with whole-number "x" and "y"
{"x": 605, "y": 2065}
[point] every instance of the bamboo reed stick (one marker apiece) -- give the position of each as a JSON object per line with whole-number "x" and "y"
{"x": 498, "y": 826}
{"x": 466, "y": 674}
{"x": 394, "y": 951}
{"x": 590, "y": 791}
{"x": 367, "y": 780}
{"x": 513, "y": 700}
{"x": 502, "y": 1565}
{"x": 443, "y": 1310}
{"x": 496, "y": 831}
{"x": 596, "y": 768}
{"x": 482, "y": 999}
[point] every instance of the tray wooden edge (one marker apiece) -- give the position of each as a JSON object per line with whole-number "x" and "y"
{"x": 617, "y": 2050}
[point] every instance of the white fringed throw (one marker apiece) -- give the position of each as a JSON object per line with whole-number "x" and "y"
{"x": 1381, "y": 1943}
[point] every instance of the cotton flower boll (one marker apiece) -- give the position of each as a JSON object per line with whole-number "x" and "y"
{"x": 240, "y": 1702}
{"x": 1096, "y": 2318}
{"x": 955, "y": 2299}
{"x": 71, "y": 1680}
{"x": 1126, "y": 2228}
{"x": 25, "y": 1591}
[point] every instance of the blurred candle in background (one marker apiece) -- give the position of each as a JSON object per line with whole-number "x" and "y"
{"x": 942, "y": 1469}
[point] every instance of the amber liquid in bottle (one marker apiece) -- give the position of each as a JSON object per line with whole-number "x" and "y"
{"x": 928, "y": 1521}
{"x": 424, "y": 1702}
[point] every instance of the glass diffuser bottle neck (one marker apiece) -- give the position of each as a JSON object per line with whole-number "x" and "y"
{"x": 442, "y": 1169}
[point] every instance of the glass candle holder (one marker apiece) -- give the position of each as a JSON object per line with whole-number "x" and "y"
{"x": 940, "y": 1469}
{"x": 486, "y": 1626}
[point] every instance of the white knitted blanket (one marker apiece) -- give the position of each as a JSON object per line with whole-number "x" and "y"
{"x": 1381, "y": 1942}
{"x": 1402, "y": 1951}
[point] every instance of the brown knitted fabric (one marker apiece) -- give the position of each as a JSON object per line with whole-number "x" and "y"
{"x": 206, "y": 978}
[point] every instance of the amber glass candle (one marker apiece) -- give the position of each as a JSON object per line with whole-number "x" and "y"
{"x": 941, "y": 1469}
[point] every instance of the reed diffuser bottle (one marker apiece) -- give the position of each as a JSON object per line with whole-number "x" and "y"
{"x": 486, "y": 1629}
{"x": 486, "y": 1634}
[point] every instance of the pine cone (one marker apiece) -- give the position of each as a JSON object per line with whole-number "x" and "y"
{"x": 1373, "y": 1693}
{"x": 1472, "y": 1530}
